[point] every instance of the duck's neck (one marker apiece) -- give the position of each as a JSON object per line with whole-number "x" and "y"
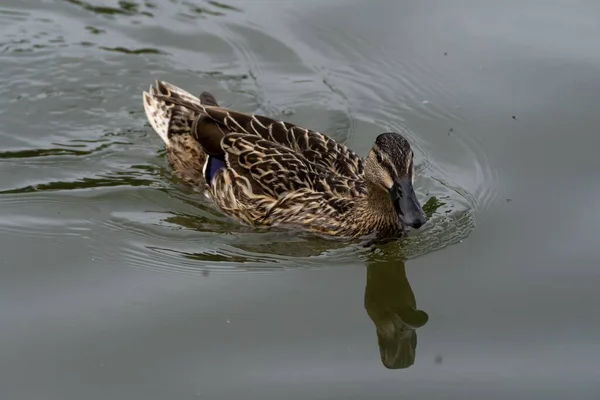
{"x": 378, "y": 210}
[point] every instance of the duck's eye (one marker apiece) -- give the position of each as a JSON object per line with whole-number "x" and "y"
{"x": 379, "y": 158}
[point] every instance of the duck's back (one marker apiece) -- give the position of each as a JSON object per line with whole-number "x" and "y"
{"x": 214, "y": 121}
{"x": 314, "y": 146}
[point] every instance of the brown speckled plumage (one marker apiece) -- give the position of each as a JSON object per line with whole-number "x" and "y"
{"x": 276, "y": 173}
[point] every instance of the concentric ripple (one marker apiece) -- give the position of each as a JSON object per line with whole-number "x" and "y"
{"x": 85, "y": 162}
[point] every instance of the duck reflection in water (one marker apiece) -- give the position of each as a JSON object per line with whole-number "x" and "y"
{"x": 391, "y": 305}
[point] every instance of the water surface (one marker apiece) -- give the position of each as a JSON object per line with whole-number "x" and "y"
{"x": 117, "y": 282}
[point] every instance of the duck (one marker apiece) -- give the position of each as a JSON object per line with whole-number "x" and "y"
{"x": 269, "y": 173}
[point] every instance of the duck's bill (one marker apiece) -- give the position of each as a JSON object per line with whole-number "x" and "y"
{"x": 397, "y": 348}
{"x": 407, "y": 205}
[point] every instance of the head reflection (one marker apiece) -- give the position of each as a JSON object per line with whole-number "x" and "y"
{"x": 391, "y": 305}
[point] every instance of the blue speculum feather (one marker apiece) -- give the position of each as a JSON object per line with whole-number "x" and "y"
{"x": 214, "y": 165}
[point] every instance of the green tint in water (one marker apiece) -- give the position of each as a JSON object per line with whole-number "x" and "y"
{"x": 432, "y": 205}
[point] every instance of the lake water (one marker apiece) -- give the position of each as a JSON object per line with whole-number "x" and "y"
{"x": 118, "y": 283}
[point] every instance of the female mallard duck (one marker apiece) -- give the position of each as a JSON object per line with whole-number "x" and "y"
{"x": 266, "y": 173}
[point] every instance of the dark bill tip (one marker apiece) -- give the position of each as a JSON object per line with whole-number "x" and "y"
{"x": 407, "y": 205}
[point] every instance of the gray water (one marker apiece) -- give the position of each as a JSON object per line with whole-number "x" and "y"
{"x": 118, "y": 283}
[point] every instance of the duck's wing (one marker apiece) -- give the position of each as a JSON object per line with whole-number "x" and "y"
{"x": 267, "y": 183}
{"x": 274, "y": 170}
{"x": 214, "y": 121}
{"x": 314, "y": 146}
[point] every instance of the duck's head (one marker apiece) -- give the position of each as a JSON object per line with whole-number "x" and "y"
{"x": 389, "y": 169}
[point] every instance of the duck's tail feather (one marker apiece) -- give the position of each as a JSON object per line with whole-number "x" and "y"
{"x": 171, "y": 110}
{"x": 208, "y": 99}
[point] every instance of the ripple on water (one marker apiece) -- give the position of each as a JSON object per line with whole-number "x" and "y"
{"x": 197, "y": 238}
{"x": 394, "y": 91}
{"x": 98, "y": 161}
